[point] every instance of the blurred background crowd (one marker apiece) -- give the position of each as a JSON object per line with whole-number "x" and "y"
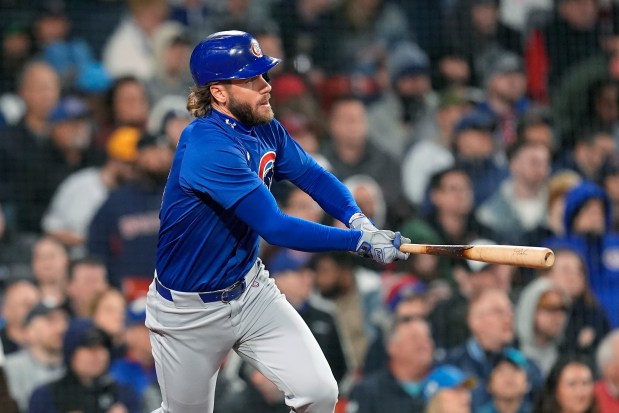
{"x": 452, "y": 121}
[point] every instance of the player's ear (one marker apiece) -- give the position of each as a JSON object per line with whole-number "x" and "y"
{"x": 219, "y": 93}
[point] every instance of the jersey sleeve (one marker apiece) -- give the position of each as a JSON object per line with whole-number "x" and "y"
{"x": 283, "y": 230}
{"x": 217, "y": 167}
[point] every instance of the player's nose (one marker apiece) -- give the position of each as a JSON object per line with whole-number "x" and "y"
{"x": 266, "y": 87}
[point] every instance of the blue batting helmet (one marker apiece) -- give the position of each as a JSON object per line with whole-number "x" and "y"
{"x": 228, "y": 55}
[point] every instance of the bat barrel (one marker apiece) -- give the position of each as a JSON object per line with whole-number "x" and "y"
{"x": 522, "y": 256}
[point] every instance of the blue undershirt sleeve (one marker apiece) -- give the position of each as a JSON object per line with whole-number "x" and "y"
{"x": 260, "y": 211}
{"x": 328, "y": 191}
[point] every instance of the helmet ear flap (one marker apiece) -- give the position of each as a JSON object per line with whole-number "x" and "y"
{"x": 229, "y": 55}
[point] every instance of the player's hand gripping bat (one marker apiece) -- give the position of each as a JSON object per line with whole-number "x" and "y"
{"x": 532, "y": 257}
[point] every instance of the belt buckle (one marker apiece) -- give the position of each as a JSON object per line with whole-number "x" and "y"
{"x": 225, "y": 294}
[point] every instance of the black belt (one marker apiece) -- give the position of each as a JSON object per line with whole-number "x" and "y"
{"x": 226, "y": 295}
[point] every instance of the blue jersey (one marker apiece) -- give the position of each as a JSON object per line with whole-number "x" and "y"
{"x": 203, "y": 245}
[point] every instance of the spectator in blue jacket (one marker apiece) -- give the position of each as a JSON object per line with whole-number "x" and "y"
{"x": 587, "y": 222}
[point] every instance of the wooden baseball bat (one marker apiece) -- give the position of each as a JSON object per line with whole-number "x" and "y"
{"x": 532, "y": 257}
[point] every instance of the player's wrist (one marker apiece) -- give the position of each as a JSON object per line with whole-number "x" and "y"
{"x": 360, "y": 221}
{"x": 354, "y": 217}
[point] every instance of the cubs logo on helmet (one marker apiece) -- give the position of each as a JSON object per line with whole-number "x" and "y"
{"x": 266, "y": 169}
{"x": 255, "y": 48}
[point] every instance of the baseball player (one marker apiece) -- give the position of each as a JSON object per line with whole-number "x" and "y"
{"x": 210, "y": 292}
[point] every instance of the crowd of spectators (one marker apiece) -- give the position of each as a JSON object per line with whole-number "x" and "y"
{"x": 452, "y": 121}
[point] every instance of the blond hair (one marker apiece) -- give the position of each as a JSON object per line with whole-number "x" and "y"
{"x": 199, "y": 101}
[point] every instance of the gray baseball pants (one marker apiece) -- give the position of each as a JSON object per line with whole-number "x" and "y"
{"x": 190, "y": 340}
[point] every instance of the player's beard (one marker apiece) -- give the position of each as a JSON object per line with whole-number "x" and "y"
{"x": 247, "y": 115}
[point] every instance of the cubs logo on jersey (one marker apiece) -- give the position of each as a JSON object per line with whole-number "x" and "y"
{"x": 266, "y": 170}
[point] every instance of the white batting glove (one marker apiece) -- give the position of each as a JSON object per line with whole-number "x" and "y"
{"x": 360, "y": 221}
{"x": 381, "y": 245}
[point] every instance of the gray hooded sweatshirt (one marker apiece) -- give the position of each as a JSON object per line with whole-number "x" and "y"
{"x": 546, "y": 355}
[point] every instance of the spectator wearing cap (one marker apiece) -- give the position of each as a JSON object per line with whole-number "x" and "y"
{"x": 475, "y": 151}
{"x": 508, "y": 384}
{"x": 80, "y": 195}
{"x": 448, "y": 390}
{"x": 24, "y": 189}
{"x": 405, "y": 111}
{"x": 587, "y": 321}
{"x": 85, "y": 386}
{"x": 172, "y": 48}
{"x": 519, "y": 204}
{"x": 490, "y": 320}
{"x": 607, "y": 387}
{"x": 136, "y": 369}
{"x": 70, "y": 145}
{"x": 406, "y": 302}
{"x": 125, "y": 229}
{"x": 18, "y": 299}
{"x": 449, "y": 319}
{"x": 505, "y": 87}
{"x": 398, "y": 385}
{"x": 433, "y": 152}
{"x": 70, "y": 133}
{"x": 295, "y": 280}
{"x": 40, "y": 362}
{"x": 541, "y": 318}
